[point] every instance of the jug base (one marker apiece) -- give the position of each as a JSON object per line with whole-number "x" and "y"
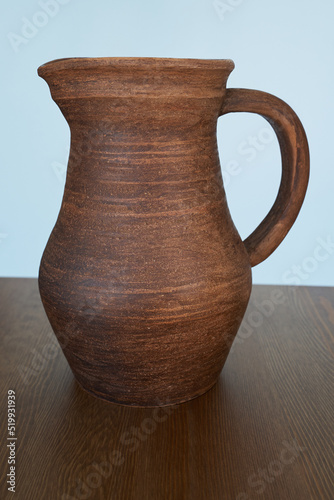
{"x": 156, "y": 402}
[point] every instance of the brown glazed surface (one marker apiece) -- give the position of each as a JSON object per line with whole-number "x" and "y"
{"x": 145, "y": 279}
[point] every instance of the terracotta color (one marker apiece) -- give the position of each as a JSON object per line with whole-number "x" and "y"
{"x": 145, "y": 279}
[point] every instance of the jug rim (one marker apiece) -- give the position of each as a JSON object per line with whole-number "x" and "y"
{"x": 78, "y": 63}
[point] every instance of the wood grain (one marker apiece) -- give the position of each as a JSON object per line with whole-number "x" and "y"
{"x": 276, "y": 390}
{"x": 145, "y": 279}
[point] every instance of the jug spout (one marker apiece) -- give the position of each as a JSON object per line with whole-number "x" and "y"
{"x": 135, "y": 77}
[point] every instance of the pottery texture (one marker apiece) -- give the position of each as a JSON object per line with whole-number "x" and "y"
{"x": 145, "y": 279}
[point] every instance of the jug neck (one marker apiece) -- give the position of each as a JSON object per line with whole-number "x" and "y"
{"x": 139, "y": 97}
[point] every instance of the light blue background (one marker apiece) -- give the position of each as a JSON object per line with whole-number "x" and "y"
{"x": 285, "y": 48}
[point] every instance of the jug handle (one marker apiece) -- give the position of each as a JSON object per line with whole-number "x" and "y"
{"x": 295, "y": 167}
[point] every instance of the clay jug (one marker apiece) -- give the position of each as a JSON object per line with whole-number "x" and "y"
{"x": 145, "y": 279}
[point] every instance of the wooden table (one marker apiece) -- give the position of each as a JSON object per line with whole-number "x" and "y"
{"x": 265, "y": 431}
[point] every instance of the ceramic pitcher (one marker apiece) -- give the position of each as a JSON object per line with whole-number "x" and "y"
{"x": 145, "y": 279}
